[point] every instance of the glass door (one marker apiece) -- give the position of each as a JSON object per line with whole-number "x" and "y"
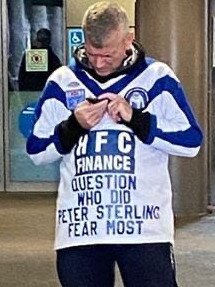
{"x": 32, "y": 50}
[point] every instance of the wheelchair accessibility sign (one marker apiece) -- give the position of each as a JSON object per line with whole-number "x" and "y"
{"x": 75, "y": 37}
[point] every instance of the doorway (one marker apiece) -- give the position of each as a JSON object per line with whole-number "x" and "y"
{"x": 32, "y": 40}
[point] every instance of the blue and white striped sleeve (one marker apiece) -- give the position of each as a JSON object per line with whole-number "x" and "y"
{"x": 43, "y": 145}
{"x": 168, "y": 122}
{"x": 173, "y": 126}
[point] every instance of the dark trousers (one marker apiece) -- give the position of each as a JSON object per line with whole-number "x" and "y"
{"x": 140, "y": 265}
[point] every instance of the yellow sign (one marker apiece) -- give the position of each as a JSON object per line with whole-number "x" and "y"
{"x": 37, "y": 60}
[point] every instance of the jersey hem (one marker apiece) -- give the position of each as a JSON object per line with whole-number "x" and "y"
{"x": 99, "y": 242}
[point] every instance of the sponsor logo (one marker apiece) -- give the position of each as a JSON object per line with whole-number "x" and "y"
{"x": 105, "y": 151}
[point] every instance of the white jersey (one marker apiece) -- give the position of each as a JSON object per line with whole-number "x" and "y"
{"x": 114, "y": 188}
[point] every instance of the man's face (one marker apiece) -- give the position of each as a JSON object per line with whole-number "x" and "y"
{"x": 107, "y": 59}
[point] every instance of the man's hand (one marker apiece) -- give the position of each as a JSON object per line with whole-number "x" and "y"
{"x": 118, "y": 108}
{"x": 88, "y": 114}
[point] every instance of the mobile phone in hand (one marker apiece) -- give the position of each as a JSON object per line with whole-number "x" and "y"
{"x": 96, "y": 100}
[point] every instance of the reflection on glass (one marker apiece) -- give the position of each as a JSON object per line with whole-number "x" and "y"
{"x": 38, "y": 63}
{"x": 21, "y": 119}
{"x": 38, "y": 29}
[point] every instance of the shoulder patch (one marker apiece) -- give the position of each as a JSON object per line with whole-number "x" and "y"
{"x": 74, "y": 97}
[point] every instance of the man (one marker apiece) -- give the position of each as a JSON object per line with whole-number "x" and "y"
{"x": 114, "y": 199}
{"x": 35, "y": 80}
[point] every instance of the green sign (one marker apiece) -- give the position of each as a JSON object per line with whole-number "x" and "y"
{"x": 37, "y": 60}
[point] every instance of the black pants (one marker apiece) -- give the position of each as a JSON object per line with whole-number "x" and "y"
{"x": 140, "y": 265}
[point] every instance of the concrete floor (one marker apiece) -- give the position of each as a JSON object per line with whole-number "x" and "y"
{"x": 27, "y": 258}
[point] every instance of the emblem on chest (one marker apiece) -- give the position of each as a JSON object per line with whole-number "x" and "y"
{"x": 137, "y": 97}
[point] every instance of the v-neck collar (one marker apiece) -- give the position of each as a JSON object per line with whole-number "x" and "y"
{"x": 92, "y": 81}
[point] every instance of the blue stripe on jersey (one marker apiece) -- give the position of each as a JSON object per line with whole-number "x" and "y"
{"x": 170, "y": 85}
{"x": 115, "y": 88}
{"x": 192, "y": 137}
{"x": 52, "y": 90}
{"x": 36, "y": 145}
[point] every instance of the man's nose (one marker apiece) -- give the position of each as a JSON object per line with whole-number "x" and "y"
{"x": 99, "y": 62}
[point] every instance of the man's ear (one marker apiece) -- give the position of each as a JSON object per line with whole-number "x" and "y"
{"x": 129, "y": 39}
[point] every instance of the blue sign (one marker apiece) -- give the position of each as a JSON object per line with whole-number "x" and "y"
{"x": 26, "y": 119}
{"x": 75, "y": 37}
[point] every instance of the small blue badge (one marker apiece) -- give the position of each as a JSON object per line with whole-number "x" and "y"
{"x": 137, "y": 97}
{"x": 74, "y": 97}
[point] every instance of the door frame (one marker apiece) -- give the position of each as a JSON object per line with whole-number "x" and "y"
{"x": 7, "y": 184}
{"x": 2, "y": 168}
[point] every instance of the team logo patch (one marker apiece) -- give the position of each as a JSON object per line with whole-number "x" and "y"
{"x": 74, "y": 97}
{"x": 137, "y": 97}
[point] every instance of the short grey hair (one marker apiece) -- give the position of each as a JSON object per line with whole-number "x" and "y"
{"x": 101, "y": 19}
